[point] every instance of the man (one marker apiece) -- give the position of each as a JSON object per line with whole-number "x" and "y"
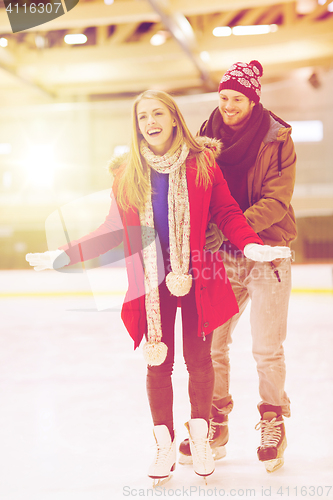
{"x": 258, "y": 162}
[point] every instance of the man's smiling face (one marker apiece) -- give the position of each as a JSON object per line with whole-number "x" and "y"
{"x": 235, "y": 108}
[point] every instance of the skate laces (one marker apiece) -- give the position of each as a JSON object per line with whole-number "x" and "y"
{"x": 201, "y": 448}
{"x": 213, "y": 428}
{"x": 270, "y": 432}
{"x": 162, "y": 453}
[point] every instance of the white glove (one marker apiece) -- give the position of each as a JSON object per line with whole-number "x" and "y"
{"x": 266, "y": 253}
{"x": 46, "y": 260}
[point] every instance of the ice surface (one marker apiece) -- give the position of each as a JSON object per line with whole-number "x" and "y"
{"x": 74, "y": 418}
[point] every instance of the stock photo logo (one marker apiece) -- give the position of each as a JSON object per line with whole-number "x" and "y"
{"x": 25, "y": 14}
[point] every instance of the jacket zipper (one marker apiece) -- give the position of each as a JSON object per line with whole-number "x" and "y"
{"x": 202, "y": 320}
{"x": 276, "y": 272}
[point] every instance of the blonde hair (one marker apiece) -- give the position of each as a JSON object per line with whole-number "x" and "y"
{"x": 134, "y": 186}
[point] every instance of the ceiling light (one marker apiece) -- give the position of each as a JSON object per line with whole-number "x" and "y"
{"x": 74, "y": 38}
{"x": 260, "y": 29}
{"x": 305, "y": 6}
{"x": 108, "y": 2}
{"x": 330, "y": 7}
{"x": 3, "y": 42}
{"x": 321, "y": 2}
{"x": 40, "y": 42}
{"x": 222, "y": 31}
{"x": 205, "y": 56}
{"x": 158, "y": 39}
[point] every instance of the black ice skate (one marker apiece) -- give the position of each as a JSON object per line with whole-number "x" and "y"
{"x": 273, "y": 438}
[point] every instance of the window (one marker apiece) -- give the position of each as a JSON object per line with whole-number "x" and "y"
{"x": 307, "y": 131}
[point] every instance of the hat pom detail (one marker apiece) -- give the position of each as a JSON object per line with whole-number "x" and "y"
{"x": 179, "y": 284}
{"x": 258, "y": 66}
{"x": 154, "y": 353}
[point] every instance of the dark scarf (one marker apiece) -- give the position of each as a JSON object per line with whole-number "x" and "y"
{"x": 240, "y": 148}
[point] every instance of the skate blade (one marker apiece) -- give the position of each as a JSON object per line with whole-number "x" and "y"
{"x": 276, "y": 463}
{"x": 218, "y": 453}
{"x": 160, "y": 482}
{"x": 273, "y": 465}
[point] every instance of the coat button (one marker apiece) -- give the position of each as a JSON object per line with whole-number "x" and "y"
{"x": 206, "y": 324}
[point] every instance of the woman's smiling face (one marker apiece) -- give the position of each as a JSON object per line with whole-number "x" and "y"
{"x": 156, "y": 124}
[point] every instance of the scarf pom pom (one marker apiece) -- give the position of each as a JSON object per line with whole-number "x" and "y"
{"x": 179, "y": 284}
{"x": 154, "y": 353}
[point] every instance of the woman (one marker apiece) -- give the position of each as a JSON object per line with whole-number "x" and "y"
{"x": 169, "y": 183}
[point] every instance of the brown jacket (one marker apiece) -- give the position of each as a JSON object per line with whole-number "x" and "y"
{"x": 271, "y": 183}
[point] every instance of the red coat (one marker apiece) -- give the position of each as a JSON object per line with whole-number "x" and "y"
{"x": 215, "y": 299}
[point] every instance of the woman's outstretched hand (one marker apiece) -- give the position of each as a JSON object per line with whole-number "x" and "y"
{"x": 266, "y": 253}
{"x": 48, "y": 260}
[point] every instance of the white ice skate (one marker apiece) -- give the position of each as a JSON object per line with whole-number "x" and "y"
{"x": 203, "y": 460}
{"x": 165, "y": 459}
{"x": 218, "y": 437}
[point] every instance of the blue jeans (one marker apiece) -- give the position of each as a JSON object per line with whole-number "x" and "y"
{"x": 197, "y": 358}
{"x": 269, "y": 309}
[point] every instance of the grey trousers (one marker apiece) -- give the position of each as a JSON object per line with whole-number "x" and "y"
{"x": 268, "y": 318}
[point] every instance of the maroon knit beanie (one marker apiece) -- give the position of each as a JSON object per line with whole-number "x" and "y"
{"x": 245, "y": 78}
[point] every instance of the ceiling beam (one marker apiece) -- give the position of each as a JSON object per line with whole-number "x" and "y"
{"x": 197, "y": 7}
{"x": 136, "y": 52}
{"x": 164, "y": 80}
{"x": 123, "y": 31}
{"x": 172, "y": 69}
{"x": 115, "y": 65}
{"x": 97, "y": 13}
{"x": 251, "y": 17}
{"x": 289, "y": 13}
{"x": 181, "y": 30}
{"x": 272, "y": 14}
{"x": 286, "y": 33}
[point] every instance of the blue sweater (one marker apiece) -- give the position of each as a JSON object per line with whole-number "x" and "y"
{"x": 160, "y": 187}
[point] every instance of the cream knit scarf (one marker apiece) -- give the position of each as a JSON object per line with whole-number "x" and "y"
{"x": 178, "y": 281}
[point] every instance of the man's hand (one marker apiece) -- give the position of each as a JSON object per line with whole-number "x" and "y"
{"x": 214, "y": 237}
